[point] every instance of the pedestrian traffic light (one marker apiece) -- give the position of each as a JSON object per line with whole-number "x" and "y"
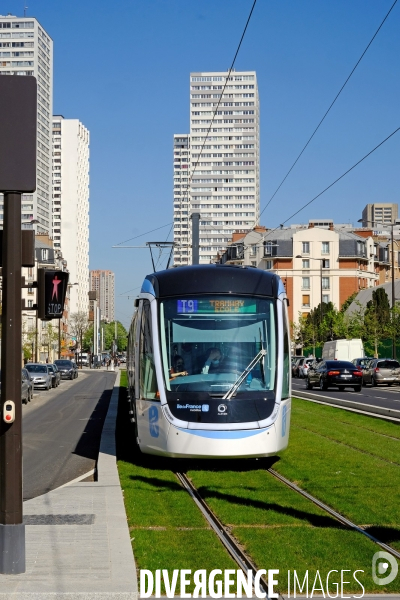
{"x": 52, "y": 287}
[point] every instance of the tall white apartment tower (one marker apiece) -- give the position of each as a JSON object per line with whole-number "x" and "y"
{"x": 182, "y": 229}
{"x": 26, "y": 49}
{"x": 225, "y": 165}
{"x": 103, "y": 282}
{"x": 70, "y": 221}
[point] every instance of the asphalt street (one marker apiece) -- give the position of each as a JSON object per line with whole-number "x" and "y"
{"x": 62, "y": 429}
{"x": 383, "y": 395}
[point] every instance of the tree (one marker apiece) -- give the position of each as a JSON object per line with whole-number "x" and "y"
{"x": 49, "y": 336}
{"x": 108, "y": 336}
{"x": 377, "y": 318}
{"x": 347, "y": 302}
{"x": 79, "y": 324}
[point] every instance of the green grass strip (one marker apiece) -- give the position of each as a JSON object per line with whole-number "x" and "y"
{"x": 167, "y": 529}
{"x": 363, "y": 487}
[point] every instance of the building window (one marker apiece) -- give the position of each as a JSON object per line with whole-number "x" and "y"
{"x": 305, "y": 283}
{"x": 306, "y": 248}
{"x": 30, "y": 303}
{"x": 268, "y": 264}
{"x": 325, "y": 248}
{"x": 325, "y": 298}
{"x": 254, "y": 250}
{"x": 306, "y": 264}
{"x": 306, "y": 301}
{"x": 326, "y": 283}
{"x": 326, "y": 263}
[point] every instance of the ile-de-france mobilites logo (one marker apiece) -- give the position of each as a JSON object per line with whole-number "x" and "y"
{"x": 52, "y": 287}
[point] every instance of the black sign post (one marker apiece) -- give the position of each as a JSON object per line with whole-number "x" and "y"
{"x": 18, "y": 100}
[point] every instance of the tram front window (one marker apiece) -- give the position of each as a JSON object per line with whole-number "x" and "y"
{"x": 209, "y": 341}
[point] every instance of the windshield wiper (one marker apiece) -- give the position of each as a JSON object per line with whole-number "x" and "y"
{"x": 243, "y": 375}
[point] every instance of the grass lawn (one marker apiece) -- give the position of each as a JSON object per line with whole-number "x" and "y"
{"x": 349, "y": 461}
{"x": 167, "y": 529}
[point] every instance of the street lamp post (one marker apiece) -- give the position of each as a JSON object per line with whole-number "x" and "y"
{"x": 391, "y": 225}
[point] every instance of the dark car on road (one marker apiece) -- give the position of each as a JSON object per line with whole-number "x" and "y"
{"x": 40, "y": 375}
{"x": 67, "y": 368}
{"x": 338, "y": 373}
{"x": 55, "y": 375}
{"x": 382, "y": 370}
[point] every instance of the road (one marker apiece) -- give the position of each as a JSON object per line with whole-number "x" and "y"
{"x": 388, "y": 397}
{"x": 62, "y": 429}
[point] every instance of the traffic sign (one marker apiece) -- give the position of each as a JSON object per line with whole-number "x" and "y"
{"x": 52, "y": 288}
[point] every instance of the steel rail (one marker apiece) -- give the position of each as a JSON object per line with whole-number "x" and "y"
{"x": 225, "y": 537}
{"x": 332, "y": 512}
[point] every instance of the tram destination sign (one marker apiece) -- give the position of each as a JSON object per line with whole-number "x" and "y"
{"x": 217, "y": 305}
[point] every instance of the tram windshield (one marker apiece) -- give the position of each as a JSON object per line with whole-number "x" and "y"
{"x": 211, "y": 342}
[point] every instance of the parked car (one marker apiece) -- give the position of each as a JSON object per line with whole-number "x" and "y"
{"x": 339, "y": 373}
{"x": 362, "y": 362}
{"x": 55, "y": 375}
{"x": 382, "y": 370}
{"x": 67, "y": 368}
{"x": 39, "y": 375}
{"x": 303, "y": 369}
{"x": 296, "y": 365}
{"x": 26, "y": 386}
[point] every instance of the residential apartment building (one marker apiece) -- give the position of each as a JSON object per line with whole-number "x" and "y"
{"x": 224, "y": 165}
{"x": 103, "y": 282}
{"x": 182, "y": 171}
{"x": 41, "y": 339}
{"x": 27, "y": 49}
{"x": 315, "y": 263}
{"x": 379, "y": 213}
{"x": 70, "y": 205}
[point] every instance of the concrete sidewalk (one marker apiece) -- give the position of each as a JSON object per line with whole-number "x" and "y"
{"x": 77, "y": 538}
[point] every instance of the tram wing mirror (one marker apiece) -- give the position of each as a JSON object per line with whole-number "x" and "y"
{"x": 136, "y": 302}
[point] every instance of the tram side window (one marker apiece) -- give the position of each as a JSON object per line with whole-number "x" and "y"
{"x": 286, "y": 353}
{"x": 148, "y": 380}
{"x": 131, "y": 353}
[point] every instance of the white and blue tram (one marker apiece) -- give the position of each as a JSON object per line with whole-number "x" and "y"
{"x": 209, "y": 363}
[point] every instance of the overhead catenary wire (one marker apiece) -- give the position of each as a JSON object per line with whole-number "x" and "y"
{"x": 219, "y": 100}
{"x": 271, "y": 231}
{"x": 328, "y": 110}
{"x": 142, "y": 234}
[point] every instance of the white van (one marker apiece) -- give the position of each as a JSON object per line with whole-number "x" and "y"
{"x": 83, "y": 359}
{"x": 343, "y": 350}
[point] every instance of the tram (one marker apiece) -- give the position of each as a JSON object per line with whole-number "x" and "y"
{"x": 208, "y": 363}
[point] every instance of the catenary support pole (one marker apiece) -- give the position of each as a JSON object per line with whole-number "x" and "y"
{"x": 12, "y": 529}
{"x": 195, "y": 238}
{"x": 393, "y": 298}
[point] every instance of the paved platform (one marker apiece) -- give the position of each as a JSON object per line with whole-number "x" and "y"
{"x": 77, "y": 537}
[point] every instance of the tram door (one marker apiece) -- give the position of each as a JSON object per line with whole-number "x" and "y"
{"x": 151, "y": 425}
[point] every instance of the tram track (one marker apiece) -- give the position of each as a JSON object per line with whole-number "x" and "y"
{"x": 333, "y": 513}
{"x": 241, "y": 559}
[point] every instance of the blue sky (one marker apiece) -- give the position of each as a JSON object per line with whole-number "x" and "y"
{"x": 123, "y": 67}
